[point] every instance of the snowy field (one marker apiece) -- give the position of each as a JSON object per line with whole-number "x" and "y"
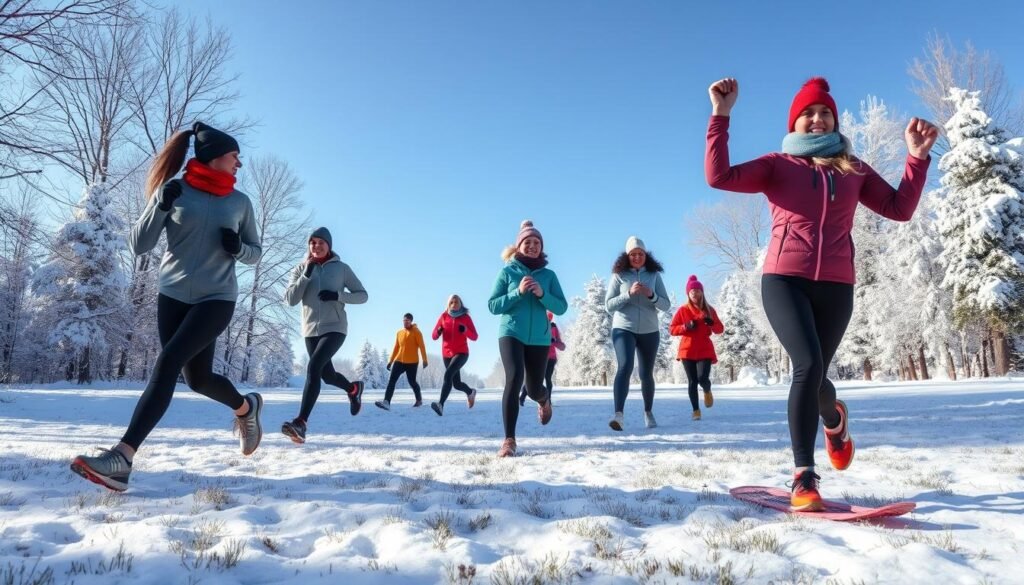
{"x": 408, "y": 497}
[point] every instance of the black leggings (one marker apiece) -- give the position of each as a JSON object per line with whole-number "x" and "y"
{"x": 321, "y": 349}
{"x": 627, "y": 344}
{"x": 697, "y": 373}
{"x": 809, "y": 318}
{"x": 548, "y": 374}
{"x": 452, "y": 376}
{"x": 521, "y": 362}
{"x": 397, "y": 369}
{"x": 188, "y": 338}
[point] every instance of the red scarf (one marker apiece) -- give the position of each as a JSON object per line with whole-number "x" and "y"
{"x": 207, "y": 179}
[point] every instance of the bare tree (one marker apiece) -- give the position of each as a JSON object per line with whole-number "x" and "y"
{"x": 36, "y": 38}
{"x": 88, "y": 111}
{"x": 274, "y": 189}
{"x": 944, "y": 66}
{"x": 733, "y": 231}
{"x": 17, "y": 249}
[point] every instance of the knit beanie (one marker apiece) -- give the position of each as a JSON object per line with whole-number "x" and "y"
{"x": 323, "y": 234}
{"x": 814, "y": 91}
{"x": 211, "y": 143}
{"x": 693, "y": 283}
{"x": 633, "y": 243}
{"x": 526, "y": 230}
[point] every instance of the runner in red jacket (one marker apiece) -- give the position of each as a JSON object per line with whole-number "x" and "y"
{"x": 696, "y": 321}
{"x": 813, "y": 187}
{"x": 456, "y": 329}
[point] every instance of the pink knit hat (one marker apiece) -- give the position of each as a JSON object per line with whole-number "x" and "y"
{"x": 693, "y": 283}
{"x": 526, "y": 230}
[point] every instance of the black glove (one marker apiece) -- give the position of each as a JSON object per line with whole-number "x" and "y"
{"x": 328, "y": 295}
{"x": 388, "y": 367}
{"x": 425, "y": 364}
{"x": 230, "y": 240}
{"x": 709, "y": 321}
{"x": 168, "y": 195}
{"x": 462, "y": 328}
{"x": 440, "y": 330}
{"x": 691, "y": 325}
{"x": 309, "y": 269}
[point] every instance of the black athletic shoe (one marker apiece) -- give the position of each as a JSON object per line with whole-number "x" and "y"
{"x": 295, "y": 430}
{"x": 438, "y": 408}
{"x": 355, "y": 398}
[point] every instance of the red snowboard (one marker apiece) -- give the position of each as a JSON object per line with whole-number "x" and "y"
{"x": 778, "y": 499}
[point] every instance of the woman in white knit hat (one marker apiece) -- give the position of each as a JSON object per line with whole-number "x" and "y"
{"x": 634, "y": 296}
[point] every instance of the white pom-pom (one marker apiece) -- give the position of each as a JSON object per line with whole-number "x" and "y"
{"x": 526, "y": 224}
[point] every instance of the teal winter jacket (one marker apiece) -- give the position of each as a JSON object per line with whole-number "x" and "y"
{"x": 524, "y": 317}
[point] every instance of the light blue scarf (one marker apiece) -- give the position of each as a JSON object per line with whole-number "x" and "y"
{"x": 823, "y": 145}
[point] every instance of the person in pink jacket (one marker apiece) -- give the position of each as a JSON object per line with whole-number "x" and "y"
{"x": 813, "y": 188}
{"x": 456, "y": 329}
{"x": 557, "y": 345}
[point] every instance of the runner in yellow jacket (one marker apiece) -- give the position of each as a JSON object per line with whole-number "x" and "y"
{"x": 404, "y": 359}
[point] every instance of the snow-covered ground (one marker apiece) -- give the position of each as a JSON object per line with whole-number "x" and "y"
{"x": 408, "y": 497}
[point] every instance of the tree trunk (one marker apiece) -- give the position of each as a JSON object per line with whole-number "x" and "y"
{"x": 924, "y": 363}
{"x": 867, "y": 369}
{"x": 950, "y": 366}
{"x": 983, "y": 354}
{"x": 911, "y": 368}
{"x": 84, "y": 371}
{"x": 732, "y": 374}
{"x": 1001, "y": 353}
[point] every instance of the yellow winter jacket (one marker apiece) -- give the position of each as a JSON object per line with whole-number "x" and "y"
{"x": 407, "y": 343}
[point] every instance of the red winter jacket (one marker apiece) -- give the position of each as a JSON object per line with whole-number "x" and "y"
{"x": 556, "y": 344}
{"x": 696, "y": 344}
{"x": 454, "y": 341}
{"x": 812, "y": 208}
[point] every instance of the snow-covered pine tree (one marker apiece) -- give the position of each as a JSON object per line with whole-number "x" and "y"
{"x": 739, "y": 345}
{"x": 370, "y": 367}
{"x": 877, "y": 139}
{"x": 81, "y": 287}
{"x": 666, "y": 352}
{"x": 981, "y": 219}
{"x": 590, "y": 358}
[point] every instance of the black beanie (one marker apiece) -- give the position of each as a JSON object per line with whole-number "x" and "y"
{"x": 211, "y": 143}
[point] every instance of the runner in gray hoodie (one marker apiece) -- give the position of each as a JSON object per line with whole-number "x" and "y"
{"x": 635, "y": 295}
{"x": 209, "y": 226}
{"x": 319, "y": 282}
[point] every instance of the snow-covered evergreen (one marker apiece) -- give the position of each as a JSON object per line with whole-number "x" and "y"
{"x": 589, "y": 358}
{"x": 370, "y": 367}
{"x": 81, "y": 287}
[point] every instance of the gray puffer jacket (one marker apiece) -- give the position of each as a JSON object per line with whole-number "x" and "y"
{"x": 635, "y": 313}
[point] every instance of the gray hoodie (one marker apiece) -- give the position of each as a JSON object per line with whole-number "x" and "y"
{"x": 320, "y": 317}
{"x": 635, "y": 313}
{"x": 196, "y": 267}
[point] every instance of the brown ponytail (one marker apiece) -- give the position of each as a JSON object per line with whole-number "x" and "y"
{"x": 168, "y": 161}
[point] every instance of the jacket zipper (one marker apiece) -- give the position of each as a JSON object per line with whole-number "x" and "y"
{"x": 826, "y": 188}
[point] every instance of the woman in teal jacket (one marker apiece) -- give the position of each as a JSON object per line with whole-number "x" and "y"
{"x": 523, "y": 293}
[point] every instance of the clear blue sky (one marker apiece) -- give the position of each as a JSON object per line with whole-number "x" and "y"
{"x": 426, "y": 131}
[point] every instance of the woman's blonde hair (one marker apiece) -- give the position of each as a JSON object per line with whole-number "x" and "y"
{"x": 453, "y": 297}
{"x": 845, "y": 163}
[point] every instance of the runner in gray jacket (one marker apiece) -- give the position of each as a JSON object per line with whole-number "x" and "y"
{"x": 210, "y": 226}
{"x": 634, "y": 296}
{"x": 319, "y": 283}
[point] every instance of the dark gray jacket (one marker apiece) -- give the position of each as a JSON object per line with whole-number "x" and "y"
{"x": 320, "y": 317}
{"x": 196, "y": 267}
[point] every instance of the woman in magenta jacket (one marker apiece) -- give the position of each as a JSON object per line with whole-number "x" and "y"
{"x": 813, "y": 187}
{"x": 456, "y": 329}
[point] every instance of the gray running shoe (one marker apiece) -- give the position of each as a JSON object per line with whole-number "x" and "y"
{"x": 248, "y": 427}
{"x": 109, "y": 469}
{"x": 649, "y": 420}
